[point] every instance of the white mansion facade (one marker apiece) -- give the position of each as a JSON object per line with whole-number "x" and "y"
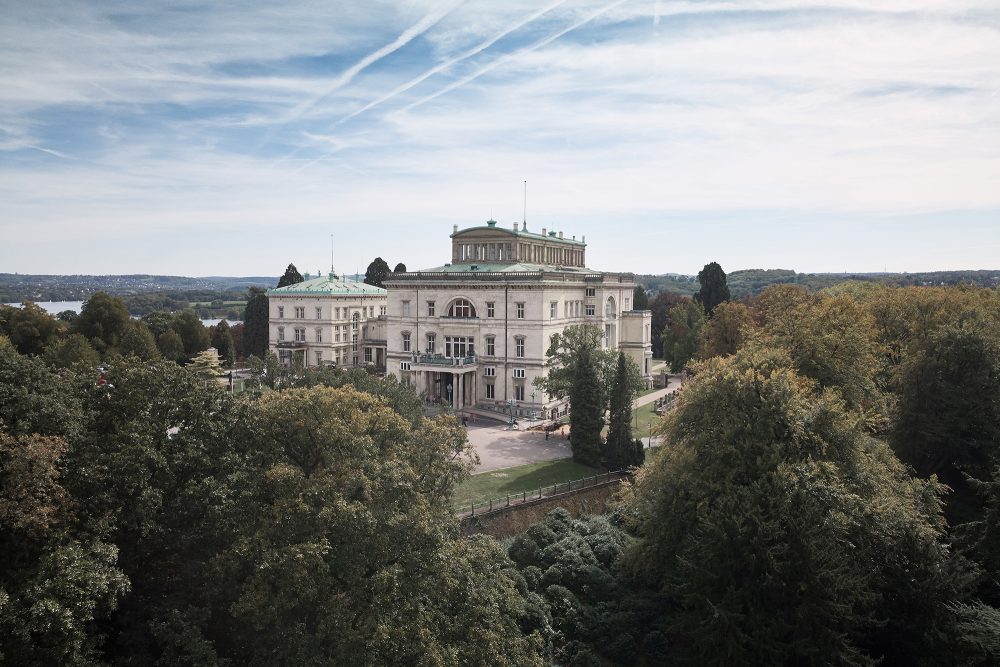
{"x": 325, "y": 320}
{"x": 475, "y": 331}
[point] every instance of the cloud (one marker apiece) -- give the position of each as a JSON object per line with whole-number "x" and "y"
{"x": 784, "y": 117}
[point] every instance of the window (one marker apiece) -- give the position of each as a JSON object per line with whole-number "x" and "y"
{"x": 491, "y": 346}
{"x": 591, "y": 291}
{"x": 458, "y": 346}
{"x": 520, "y": 310}
{"x": 490, "y": 371}
{"x": 519, "y": 347}
{"x": 354, "y": 346}
{"x": 300, "y": 335}
{"x": 490, "y": 309}
{"x": 337, "y": 311}
{"x": 319, "y": 358}
{"x": 281, "y": 333}
{"x": 319, "y": 312}
{"x": 590, "y": 309}
{"x": 336, "y": 334}
{"x": 430, "y": 309}
{"x": 406, "y": 341}
{"x": 300, "y": 312}
{"x": 404, "y": 365}
{"x": 519, "y": 373}
{"x": 281, "y": 312}
{"x": 406, "y": 308}
{"x": 553, "y": 310}
{"x": 368, "y": 355}
{"x": 461, "y": 308}
{"x": 628, "y": 303}
{"x": 518, "y": 392}
{"x": 319, "y": 335}
{"x": 431, "y": 339}
{"x": 490, "y": 390}
{"x": 355, "y": 320}
{"x": 381, "y": 310}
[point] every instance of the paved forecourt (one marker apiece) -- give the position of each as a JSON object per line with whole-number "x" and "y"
{"x": 499, "y": 447}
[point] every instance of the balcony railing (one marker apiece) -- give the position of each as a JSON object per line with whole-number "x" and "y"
{"x": 290, "y": 344}
{"x": 441, "y": 360}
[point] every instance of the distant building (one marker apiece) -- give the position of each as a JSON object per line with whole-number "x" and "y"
{"x": 323, "y": 320}
{"x": 476, "y": 331}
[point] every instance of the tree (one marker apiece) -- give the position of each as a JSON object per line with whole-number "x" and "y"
{"x": 255, "y": 323}
{"x": 639, "y": 299}
{"x": 377, "y": 272}
{"x": 158, "y": 322}
{"x": 34, "y": 399}
{"x": 620, "y": 449}
{"x": 55, "y": 581}
{"x": 30, "y": 328}
{"x": 764, "y": 519}
{"x": 726, "y": 332}
{"x": 660, "y": 308}
{"x": 171, "y": 346}
{"x": 400, "y": 268}
{"x": 193, "y": 333}
{"x": 290, "y": 277}
{"x": 714, "y": 289}
{"x": 205, "y": 365}
{"x": 682, "y": 334}
{"x": 324, "y": 578}
{"x": 103, "y": 320}
{"x": 830, "y": 340}
{"x": 138, "y": 341}
{"x": 222, "y": 340}
{"x": 948, "y": 417}
{"x": 70, "y": 350}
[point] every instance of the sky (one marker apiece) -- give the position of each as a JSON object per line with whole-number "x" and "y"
{"x": 231, "y": 138}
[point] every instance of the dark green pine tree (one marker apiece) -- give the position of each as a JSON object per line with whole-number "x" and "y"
{"x": 291, "y": 277}
{"x": 620, "y": 449}
{"x": 255, "y": 323}
{"x": 587, "y": 410}
{"x": 377, "y": 272}
{"x": 714, "y": 289}
{"x": 639, "y": 299}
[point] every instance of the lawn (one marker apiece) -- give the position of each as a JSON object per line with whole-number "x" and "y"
{"x": 530, "y": 477}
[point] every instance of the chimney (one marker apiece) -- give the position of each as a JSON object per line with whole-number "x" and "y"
{"x": 543, "y": 231}
{"x": 455, "y": 230}
{"x": 560, "y": 234}
{"x": 515, "y": 226}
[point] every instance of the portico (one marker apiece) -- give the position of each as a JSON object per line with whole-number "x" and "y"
{"x": 451, "y": 379}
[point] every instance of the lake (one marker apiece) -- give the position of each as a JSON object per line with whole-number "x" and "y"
{"x": 56, "y": 307}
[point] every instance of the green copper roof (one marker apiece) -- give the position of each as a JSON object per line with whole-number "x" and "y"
{"x": 329, "y": 284}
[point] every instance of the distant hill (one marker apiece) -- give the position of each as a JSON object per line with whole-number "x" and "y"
{"x": 749, "y": 282}
{"x": 15, "y": 287}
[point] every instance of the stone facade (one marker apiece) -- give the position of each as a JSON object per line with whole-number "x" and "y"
{"x": 324, "y": 321}
{"x": 475, "y": 331}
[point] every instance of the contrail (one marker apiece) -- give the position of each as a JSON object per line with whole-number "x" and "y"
{"x": 479, "y": 48}
{"x": 499, "y": 61}
{"x": 348, "y": 75}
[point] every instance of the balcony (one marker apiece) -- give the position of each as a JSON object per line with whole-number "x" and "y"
{"x": 290, "y": 344}
{"x": 439, "y": 362}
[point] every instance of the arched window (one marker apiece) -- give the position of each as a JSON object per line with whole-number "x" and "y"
{"x": 354, "y": 321}
{"x": 609, "y": 307}
{"x": 461, "y": 308}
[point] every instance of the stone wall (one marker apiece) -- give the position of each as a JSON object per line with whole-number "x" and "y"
{"x": 515, "y": 519}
